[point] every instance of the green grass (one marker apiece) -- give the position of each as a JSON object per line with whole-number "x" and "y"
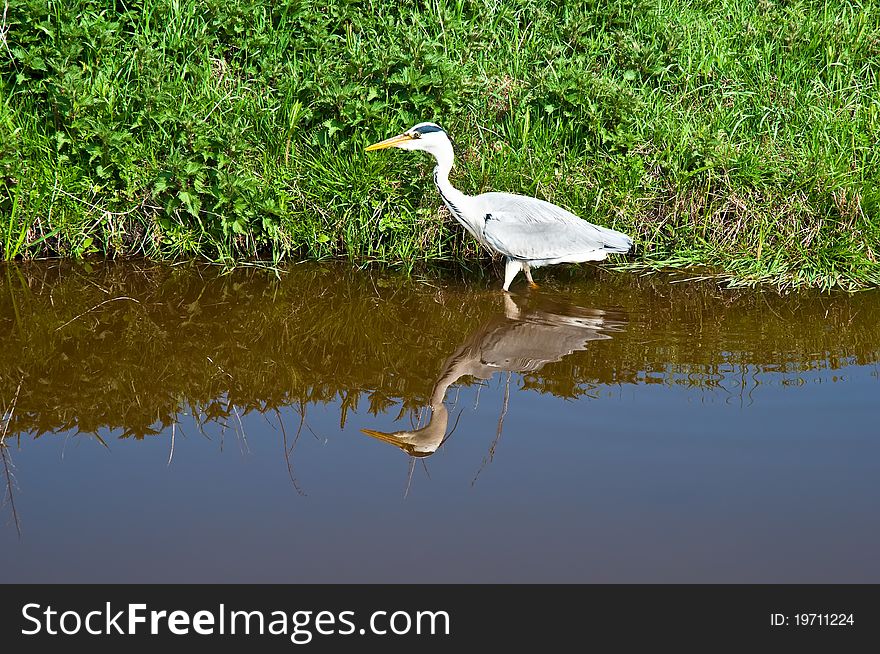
{"x": 735, "y": 135}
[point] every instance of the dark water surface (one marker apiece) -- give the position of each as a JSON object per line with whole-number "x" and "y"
{"x": 181, "y": 424}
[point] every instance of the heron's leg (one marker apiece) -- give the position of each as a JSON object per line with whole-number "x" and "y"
{"x": 511, "y": 268}
{"x": 528, "y": 271}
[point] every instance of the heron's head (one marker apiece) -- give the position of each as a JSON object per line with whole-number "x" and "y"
{"x": 429, "y": 137}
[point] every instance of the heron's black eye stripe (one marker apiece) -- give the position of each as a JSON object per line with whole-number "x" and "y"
{"x": 428, "y": 129}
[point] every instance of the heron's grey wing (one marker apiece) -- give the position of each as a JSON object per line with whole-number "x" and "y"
{"x": 528, "y": 228}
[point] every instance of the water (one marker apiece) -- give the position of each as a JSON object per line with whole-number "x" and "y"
{"x": 181, "y": 424}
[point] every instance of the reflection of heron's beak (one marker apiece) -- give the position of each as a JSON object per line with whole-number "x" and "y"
{"x": 385, "y": 437}
{"x": 389, "y": 143}
{"x": 404, "y": 445}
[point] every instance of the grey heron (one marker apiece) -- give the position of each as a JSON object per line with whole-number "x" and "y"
{"x": 528, "y": 232}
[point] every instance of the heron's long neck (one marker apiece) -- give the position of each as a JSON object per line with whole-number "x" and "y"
{"x": 456, "y": 201}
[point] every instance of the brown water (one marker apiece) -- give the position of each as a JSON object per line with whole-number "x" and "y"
{"x": 335, "y": 424}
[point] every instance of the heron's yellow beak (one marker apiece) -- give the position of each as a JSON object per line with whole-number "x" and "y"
{"x": 390, "y": 143}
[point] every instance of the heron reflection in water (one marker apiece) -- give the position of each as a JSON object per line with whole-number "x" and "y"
{"x": 522, "y": 340}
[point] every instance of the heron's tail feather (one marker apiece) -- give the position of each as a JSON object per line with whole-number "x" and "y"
{"x": 615, "y": 241}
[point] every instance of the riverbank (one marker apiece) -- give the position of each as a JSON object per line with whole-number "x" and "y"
{"x": 736, "y": 135}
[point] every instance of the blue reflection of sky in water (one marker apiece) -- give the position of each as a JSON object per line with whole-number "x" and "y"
{"x": 776, "y": 481}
